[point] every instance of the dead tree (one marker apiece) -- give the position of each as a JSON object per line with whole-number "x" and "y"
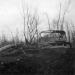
{"x": 68, "y": 32}
{"x": 59, "y": 16}
{"x": 64, "y": 13}
{"x": 48, "y": 20}
{"x": 73, "y": 31}
{"x": 30, "y": 22}
{"x": 32, "y": 26}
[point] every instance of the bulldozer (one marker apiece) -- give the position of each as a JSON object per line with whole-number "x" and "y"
{"x": 54, "y": 39}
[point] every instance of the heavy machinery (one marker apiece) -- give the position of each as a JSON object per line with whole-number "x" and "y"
{"x": 53, "y": 39}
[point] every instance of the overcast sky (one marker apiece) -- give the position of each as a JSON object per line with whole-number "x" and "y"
{"x": 11, "y": 11}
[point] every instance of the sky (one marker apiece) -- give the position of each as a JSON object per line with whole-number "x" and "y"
{"x": 11, "y": 19}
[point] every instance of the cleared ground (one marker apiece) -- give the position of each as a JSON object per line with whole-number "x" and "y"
{"x": 14, "y": 61}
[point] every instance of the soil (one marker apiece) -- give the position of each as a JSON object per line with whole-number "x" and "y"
{"x": 37, "y": 62}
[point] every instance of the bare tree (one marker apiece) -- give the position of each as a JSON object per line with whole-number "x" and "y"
{"x": 59, "y": 16}
{"x": 16, "y": 37}
{"x": 32, "y": 25}
{"x": 68, "y": 32}
{"x": 64, "y": 12}
{"x": 30, "y": 22}
{"x": 73, "y": 31}
{"x": 12, "y": 36}
{"x": 48, "y": 20}
{"x": 24, "y": 17}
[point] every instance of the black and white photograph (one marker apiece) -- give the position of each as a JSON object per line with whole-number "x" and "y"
{"x": 37, "y": 37}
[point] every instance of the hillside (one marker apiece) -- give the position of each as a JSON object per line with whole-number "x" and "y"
{"x": 36, "y": 62}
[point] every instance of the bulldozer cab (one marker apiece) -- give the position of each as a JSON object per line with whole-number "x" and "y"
{"x": 52, "y": 36}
